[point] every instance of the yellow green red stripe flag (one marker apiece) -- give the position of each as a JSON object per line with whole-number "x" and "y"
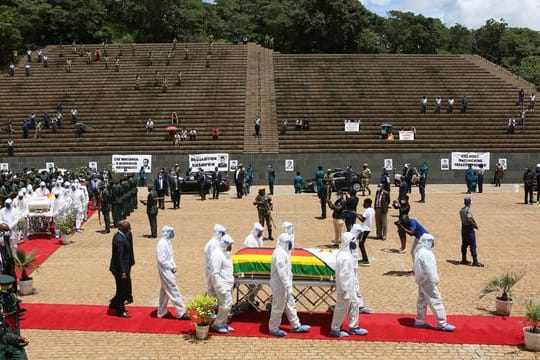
{"x": 257, "y": 262}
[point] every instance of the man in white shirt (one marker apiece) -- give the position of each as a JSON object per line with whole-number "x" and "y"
{"x": 367, "y": 218}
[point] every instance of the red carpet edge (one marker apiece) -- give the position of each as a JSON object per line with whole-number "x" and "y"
{"x": 488, "y": 330}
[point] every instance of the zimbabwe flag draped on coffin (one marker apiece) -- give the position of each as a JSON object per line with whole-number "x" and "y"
{"x": 256, "y": 262}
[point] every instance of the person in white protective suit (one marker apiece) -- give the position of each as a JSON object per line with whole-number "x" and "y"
{"x": 30, "y": 195}
{"x": 282, "y": 288}
{"x": 42, "y": 190}
{"x": 288, "y": 228}
{"x": 427, "y": 278}
{"x": 358, "y": 231}
{"x": 219, "y": 232}
{"x": 10, "y": 216}
{"x": 167, "y": 275}
{"x": 77, "y": 206}
{"x": 84, "y": 190}
{"x": 58, "y": 208}
{"x": 221, "y": 273}
{"x": 20, "y": 204}
{"x": 254, "y": 240}
{"x": 255, "y": 237}
{"x": 346, "y": 289}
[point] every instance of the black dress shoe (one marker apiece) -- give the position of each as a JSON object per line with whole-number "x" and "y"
{"x": 125, "y": 314}
{"x": 478, "y": 264}
{"x": 465, "y": 262}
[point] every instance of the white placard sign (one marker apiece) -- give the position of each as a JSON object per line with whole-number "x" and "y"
{"x": 503, "y": 163}
{"x": 233, "y": 164}
{"x": 92, "y": 165}
{"x": 4, "y": 166}
{"x": 208, "y": 162}
{"x": 462, "y": 160}
{"x": 406, "y": 135}
{"x": 445, "y": 164}
{"x": 388, "y": 164}
{"x": 49, "y": 165}
{"x": 289, "y": 165}
{"x": 131, "y": 163}
{"x": 352, "y": 126}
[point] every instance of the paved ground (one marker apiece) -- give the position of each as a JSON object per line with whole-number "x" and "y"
{"x": 78, "y": 274}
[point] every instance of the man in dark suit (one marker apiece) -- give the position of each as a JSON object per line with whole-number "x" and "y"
{"x": 176, "y": 189}
{"x": 121, "y": 262}
{"x": 161, "y": 186}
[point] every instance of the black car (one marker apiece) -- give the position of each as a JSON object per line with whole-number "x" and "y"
{"x": 340, "y": 182}
{"x": 191, "y": 186}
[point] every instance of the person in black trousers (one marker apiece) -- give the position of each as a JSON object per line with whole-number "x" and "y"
{"x": 161, "y": 186}
{"x": 122, "y": 260}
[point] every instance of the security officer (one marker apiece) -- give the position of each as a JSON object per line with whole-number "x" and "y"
{"x": 152, "y": 210}
{"x": 105, "y": 199}
{"x": 116, "y": 193}
{"x": 264, "y": 206}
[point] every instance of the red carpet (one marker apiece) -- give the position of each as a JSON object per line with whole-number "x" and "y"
{"x": 44, "y": 247}
{"x": 490, "y": 330}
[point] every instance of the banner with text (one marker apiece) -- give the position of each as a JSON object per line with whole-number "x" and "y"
{"x": 407, "y": 135}
{"x": 462, "y": 160}
{"x": 131, "y": 163}
{"x": 209, "y": 161}
{"x": 352, "y": 126}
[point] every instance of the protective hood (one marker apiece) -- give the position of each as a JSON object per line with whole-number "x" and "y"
{"x": 356, "y": 230}
{"x": 219, "y": 231}
{"x": 425, "y": 243}
{"x": 287, "y": 228}
{"x": 167, "y": 232}
{"x": 467, "y": 201}
{"x": 285, "y": 242}
{"x": 346, "y": 239}
{"x": 257, "y": 228}
{"x": 226, "y": 242}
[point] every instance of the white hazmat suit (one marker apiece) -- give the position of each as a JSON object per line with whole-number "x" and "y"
{"x": 282, "y": 288}
{"x": 219, "y": 232}
{"x": 9, "y": 216}
{"x": 77, "y": 206}
{"x": 346, "y": 288}
{"x": 221, "y": 273}
{"x": 255, "y": 238}
{"x": 427, "y": 278}
{"x": 167, "y": 275}
{"x": 42, "y": 191}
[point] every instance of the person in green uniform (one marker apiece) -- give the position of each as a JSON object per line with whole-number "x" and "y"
{"x": 11, "y": 343}
{"x": 264, "y": 209}
{"x": 105, "y": 200}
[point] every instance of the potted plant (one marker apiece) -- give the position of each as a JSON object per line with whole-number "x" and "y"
{"x": 65, "y": 226}
{"x": 26, "y": 262}
{"x": 504, "y": 284}
{"x": 203, "y": 310}
{"x": 531, "y": 332}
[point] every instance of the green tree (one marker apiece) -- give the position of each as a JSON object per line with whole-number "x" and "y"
{"x": 408, "y": 33}
{"x": 518, "y": 43}
{"x": 10, "y": 37}
{"x": 487, "y": 39}
{"x": 330, "y": 26}
{"x": 459, "y": 40}
{"x": 529, "y": 69}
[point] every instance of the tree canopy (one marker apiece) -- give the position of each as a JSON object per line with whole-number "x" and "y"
{"x": 300, "y": 26}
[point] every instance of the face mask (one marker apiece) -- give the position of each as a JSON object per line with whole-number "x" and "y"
{"x": 229, "y": 248}
{"x": 352, "y": 245}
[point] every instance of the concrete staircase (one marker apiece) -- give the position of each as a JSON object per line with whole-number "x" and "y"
{"x": 502, "y": 73}
{"x": 260, "y": 100}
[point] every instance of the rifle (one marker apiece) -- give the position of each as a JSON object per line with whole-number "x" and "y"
{"x": 272, "y": 223}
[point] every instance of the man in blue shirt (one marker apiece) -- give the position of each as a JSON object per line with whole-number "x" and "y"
{"x": 413, "y": 228}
